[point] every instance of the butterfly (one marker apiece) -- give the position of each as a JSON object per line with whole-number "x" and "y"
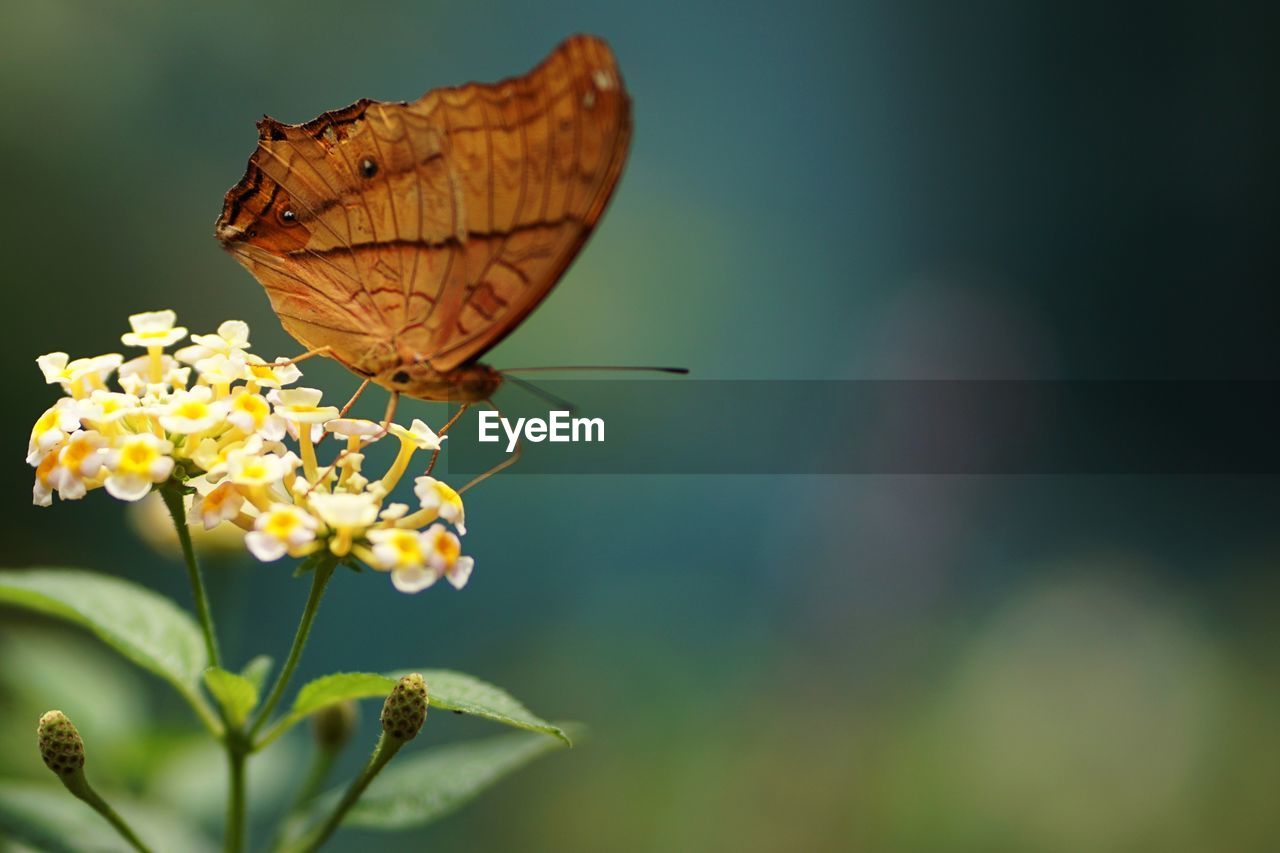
{"x": 406, "y": 239}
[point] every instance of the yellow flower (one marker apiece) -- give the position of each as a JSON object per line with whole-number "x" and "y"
{"x": 418, "y": 434}
{"x": 106, "y": 407}
{"x": 302, "y": 406}
{"x": 231, "y": 340}
{"x": 283, "y": 528}
{"x": 52, "y": 429}
{"x": 347, "y": 515}
{"x": 442, "y": 499}
{"x": 135, "y": 374}
{"x": 153, "y": 329}
{"x": 258, "y": 469}
{"x": 135, "y": 464}
{"x": 417, "y": 437}
{"x": 42, "y": 491}
{"x": 404, "y": 554}
{"x": 446, "y": 556}
{"x": 275, "y": 375}
{"x": 221, "y": 504}
{"x": 80, "y": 459}
{"x": 192, "y": 411}
{"x": 80, "y": 376}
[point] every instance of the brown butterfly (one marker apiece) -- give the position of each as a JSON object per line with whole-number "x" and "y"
{"x": 405, "y": 240}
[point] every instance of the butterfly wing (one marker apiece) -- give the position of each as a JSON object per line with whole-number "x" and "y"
{"x": 429, "y": 230}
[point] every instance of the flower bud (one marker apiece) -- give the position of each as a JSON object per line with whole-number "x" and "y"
{"x": 333, "y": 725}
{"x": 406, "y": 708}
{"x": 60, "y": 744}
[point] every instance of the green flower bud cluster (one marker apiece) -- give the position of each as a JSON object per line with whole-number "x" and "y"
{"x": 406, "y": 708}
{"x": 60, "y": 744}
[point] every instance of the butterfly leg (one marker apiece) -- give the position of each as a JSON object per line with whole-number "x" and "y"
{"x": 354, "y": 397}
{"x": 501, "y": 466}
{"x": 435, "y": 454}
{"x": 391, "y": 412}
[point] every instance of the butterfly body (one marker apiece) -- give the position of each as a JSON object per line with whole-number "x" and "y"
{"x": 407, "y": 239}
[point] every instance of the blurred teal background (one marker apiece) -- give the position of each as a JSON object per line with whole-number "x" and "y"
{"x": 863, "y": 190}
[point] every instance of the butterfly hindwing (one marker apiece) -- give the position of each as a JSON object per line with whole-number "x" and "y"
{"x": 427, "y": 231}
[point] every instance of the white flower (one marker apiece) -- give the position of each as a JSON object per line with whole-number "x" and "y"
{"x": 404, "y": 553}
{"x": 153, "y": 329}
{"x": 192, "y": 411}
{"x": 232, "y": 339}
{"x": 394, "y": 512}
{"x": 253, "y": 469}
{"x": 445, "y": 556}
{"x": 106, "y": 407}
{"x": 344, "y": 511}
{"x": 347, "y": 514}
{"x": 79, "y": 376}
{"x": 52, "y": 428}
{"x": 357, "y": 431}
{"x": 439, "y": 496}
{"x": 302, "y": 406}
{"x": 251, "y": 413}
{"x": 418, "y": 434}
{"x": 277, "y": 375}
{"x": 54, "y": 367}
{"x": 418, "y": 437}
{"x": 79, "y": 459}
{"x": 135, "y": 464}
{"x": 135, "y": 374}
{"x": 221, "y": 504}
{"x": 42, "y": 491}
{"x": 282, "y": 529}
{"x": 220, "y": 369}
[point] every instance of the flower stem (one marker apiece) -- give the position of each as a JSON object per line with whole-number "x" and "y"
{"x": 172, "y": 494}
{"x": 386, "y": 749}
{"x": 325, "y": 564}
{"x": 237, "y": 752}
{"x": 80, "y": 788}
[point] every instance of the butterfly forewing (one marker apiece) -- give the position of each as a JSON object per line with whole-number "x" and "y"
{"x": 427, "y": 231}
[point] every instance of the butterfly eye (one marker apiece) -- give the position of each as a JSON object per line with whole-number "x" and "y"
{"x": 368, "y": 168}
{"x": 400, "y": 377}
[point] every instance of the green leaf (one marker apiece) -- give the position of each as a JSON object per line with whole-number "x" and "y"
{"x": 447, "y": 690}
{"x": 145, "y": 627}
{"x": 424, "y": 786}
{"x": 46, "y": 817}
{"x": 236, "y": 694}
{"x": 457, "y": 691}
{"x": 256, "y": 671}
{"x": 339, "y": 687}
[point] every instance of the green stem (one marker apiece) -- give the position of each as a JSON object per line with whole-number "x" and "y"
{"x": 386, "y": 749}
{"x": 319, "y": 579}
{"x": 236, "y": 755}
{"x": 80, "y": 788}
{"x": 172, "y": 494}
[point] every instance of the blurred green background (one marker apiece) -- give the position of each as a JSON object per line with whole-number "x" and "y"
{"x": 861, "y": 190}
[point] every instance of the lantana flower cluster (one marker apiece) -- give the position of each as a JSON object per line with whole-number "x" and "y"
{"x": 222, "y": 425}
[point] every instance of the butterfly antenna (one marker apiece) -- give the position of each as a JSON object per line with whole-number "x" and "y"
{"x": 543, "y": 394}
{"x": 606, "y": 367}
